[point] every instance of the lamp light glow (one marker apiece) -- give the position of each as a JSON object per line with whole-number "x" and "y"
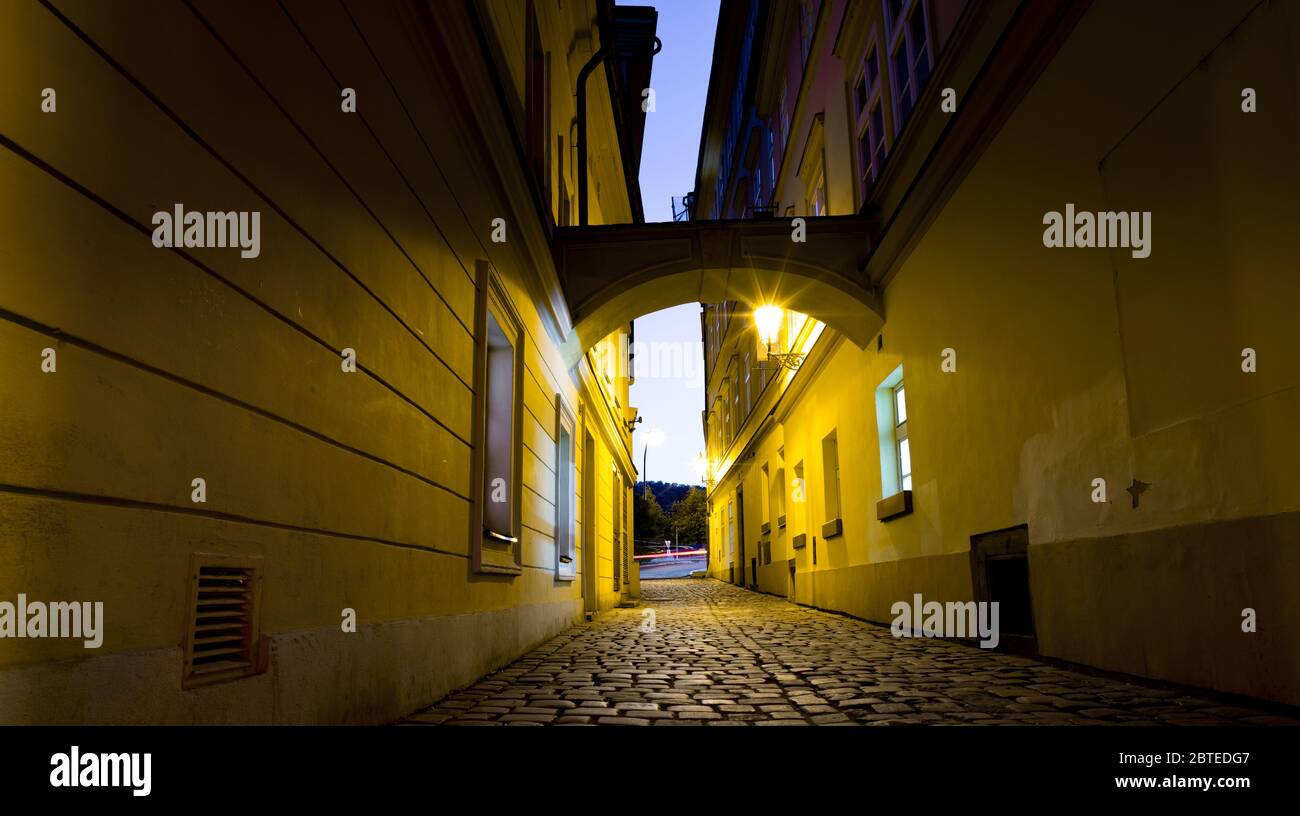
{"x": 768, "y": 321}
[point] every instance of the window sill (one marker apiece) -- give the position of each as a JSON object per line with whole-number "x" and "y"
{"x": 891, "y": 507}
{"x": 832, "y": 528}
{"x": 780, "y": 521}
{"x": 800, "y": 541}
{"x": 767, "y": 527}
{"x": 500, "y": 569}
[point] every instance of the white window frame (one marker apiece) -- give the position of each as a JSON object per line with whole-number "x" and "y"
{"x": 874, "y": 163}
{"x": 890, "y": 434}
{"x": 900, "y": 435}
{"x": 900, "y": 37}
{"x": 731, "y": 529}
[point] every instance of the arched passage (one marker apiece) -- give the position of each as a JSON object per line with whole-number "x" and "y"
{"x": 611, "y": 275}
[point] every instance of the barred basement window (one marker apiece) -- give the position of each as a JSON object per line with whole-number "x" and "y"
{"x": 222, "y": 640}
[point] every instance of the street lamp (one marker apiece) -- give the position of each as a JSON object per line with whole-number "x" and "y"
{"x": 653, "y": 438}
{"x": 768, "y": 319}
{"x": 701, "y": 466}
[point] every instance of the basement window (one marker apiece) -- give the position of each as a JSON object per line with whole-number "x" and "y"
{"x": 223, "y": 638}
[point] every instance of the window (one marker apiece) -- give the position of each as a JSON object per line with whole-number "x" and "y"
{"x": 870, "y": 122}
{"x": 736, "y": 418}
{"x": 783, "y": 117}
{"x": 765, "y": 498}
{"x": 778, "y": 490}
{"x": 749, "y": 394}
{"x": 725, "y": 431}
{"x": 731, "y": 529}
{"x": 799, "y": 494}
{"x": 910, "y": 60}
{"x": 498, "y": 492}
{"x": 896, "y": 10}
{"x": 794, "y": 325}
{"x": 771, "y": 157}
{"x": 895, "y": 443}
{"x": 812, "y": 167}
{"x": 566, "y": 493}
{"x": 807, "y": 27}
{"x": 831, "y": 475}
{"x": 497, "y": 427}
{"x": 900, "y": 438}
{"x": 817, "y": 201}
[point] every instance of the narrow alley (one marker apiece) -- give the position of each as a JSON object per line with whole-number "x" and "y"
{"x": 721, "y": 655}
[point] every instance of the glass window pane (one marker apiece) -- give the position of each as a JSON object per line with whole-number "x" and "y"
{"x": 907, "y": 482}
{"x": 905, "y": 457}
{"x": 895, "y": 11}
{"x": 900, "y": 406}
{"x": 922, "y": 68}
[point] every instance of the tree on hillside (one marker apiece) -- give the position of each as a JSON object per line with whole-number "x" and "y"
{"x": 690, "y": 515}
{"x": 649, "y": 521}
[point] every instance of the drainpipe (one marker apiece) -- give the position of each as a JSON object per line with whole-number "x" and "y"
{"x": 596, "y": 59}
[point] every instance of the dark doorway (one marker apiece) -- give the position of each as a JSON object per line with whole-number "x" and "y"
{"x": 1000, "y": 573}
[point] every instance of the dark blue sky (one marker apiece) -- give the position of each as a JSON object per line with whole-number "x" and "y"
{"x": 669, "y": 389}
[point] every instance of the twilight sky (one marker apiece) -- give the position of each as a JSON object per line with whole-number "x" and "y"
{"x": 669, "y": 387}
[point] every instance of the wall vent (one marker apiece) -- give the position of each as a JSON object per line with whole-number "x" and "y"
{"x": 222, "y": 639}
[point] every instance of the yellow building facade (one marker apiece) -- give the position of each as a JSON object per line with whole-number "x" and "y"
{"x": 340, "y": 478}
{"x": 1101, "y": 439}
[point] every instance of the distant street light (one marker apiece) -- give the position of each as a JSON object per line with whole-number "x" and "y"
{"x": 653, "y": 439}
{"x": 701, "y": 465}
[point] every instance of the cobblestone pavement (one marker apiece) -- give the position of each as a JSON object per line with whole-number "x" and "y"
{"x": 721, "y": 655}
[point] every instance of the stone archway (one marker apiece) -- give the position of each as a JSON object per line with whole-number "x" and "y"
{"x": 613, "y": 274}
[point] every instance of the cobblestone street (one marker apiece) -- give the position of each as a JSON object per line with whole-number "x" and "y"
{"x": 720, "y": 655}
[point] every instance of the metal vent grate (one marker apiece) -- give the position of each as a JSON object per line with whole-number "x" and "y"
{"x": 222, "y": 642}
